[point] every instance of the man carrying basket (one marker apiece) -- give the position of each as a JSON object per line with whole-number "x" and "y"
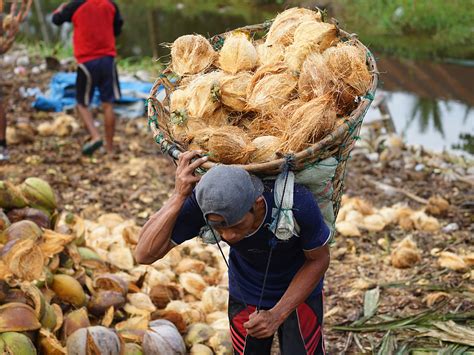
{"x": 274, "y": 285}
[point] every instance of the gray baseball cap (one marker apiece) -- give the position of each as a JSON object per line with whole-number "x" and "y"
{"x": 227, "y": 191}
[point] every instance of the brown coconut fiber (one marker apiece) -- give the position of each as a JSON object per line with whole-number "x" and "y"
{"x": 227, "y": 144}
{"x": 237, "y": 54}
{"x": 266, "y": 149}
{"x": 268, "y": 92}
{"x": 315, "y": 79}
{"x": 202, "y": 101}
{"x": 347, "y": 63}
{"x": 270, "y": 53}
{"x": 310, "y": 37}
{"x": 284, "y": 26}
{"x": 233, "y": 90}
{"x": 182, "y": 130}
{"x": 191, "y": 54}
{"x": 310, "y": 123}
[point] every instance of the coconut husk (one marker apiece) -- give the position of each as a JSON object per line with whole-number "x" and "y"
{"x": 309, "y": 124}
{"x": 264, "y": 70}
{"x": 178, "y": 101}
{"x": 233, "y": 90}
{"x": 348, "y": 65}
{"x": 266, "y": 149}
{"x": 25, "y": 260}
{"x": 202, "y": 101}
{"x": 310, "y": 37}
{"x": 406, "y": 254}
{"x": 315, "y": 79}
{"x": 237, "y": 54}
{"x": 181, "y": 132}
{"x": 271, "y": 92}
{"x": 227, "y": 144}
{"x": 218, "y": 118}
{"x": 270, "y": 53}
{"x": 191, "y": 54}
{"x": 285, "y": 24}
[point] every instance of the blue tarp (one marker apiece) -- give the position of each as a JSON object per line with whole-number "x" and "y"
{"x": 62, "y": 92}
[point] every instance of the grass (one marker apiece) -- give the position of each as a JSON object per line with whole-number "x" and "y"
{"x": 413, "y": 28}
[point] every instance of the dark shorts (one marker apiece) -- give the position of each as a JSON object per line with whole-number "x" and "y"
{"x": 99, "y": 73}
{"x": 300, "y": 333}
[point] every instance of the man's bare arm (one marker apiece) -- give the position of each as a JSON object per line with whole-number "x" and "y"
{"x": 154, "y": 241}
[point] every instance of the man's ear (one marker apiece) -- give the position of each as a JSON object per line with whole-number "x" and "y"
{"x": 259, "y": 201}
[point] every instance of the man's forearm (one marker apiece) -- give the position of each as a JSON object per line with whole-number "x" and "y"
{"x": 155, "y": 235}
{"x": 301, "y": 286}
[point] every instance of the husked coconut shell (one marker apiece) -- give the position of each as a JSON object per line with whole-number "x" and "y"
{"x": 191, "y": 54}
{"x": 237, "y": 54}
{"x": 181, "y": 132}
{"x": 315, "y": 79}
{"x": 270, "y": 53}
{"x": 266, "y": 149}
{"x": 271, "y": 92}
{"x": 348, "y": 64}
{"x": 202, "y": 101}
{"x": 406, "y": 254}
{"x": 309, "y": 124}
{"x": 233, "y": 91}
{"x": 310, "y": 37}
{"x": 227, "y": 144}
{"x": 285, "y": 24}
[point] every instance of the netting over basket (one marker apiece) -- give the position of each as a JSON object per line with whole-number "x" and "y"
{"x": 10, "y": 20}
{"x": 337, "y": 144}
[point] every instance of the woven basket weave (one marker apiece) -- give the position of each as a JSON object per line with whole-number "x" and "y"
{"x": 338, "y": 144}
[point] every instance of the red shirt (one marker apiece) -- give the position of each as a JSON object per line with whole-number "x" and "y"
{"x": 96, "y": 23}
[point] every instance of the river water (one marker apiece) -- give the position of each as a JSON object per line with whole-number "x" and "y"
{"x": 430, "y": 102}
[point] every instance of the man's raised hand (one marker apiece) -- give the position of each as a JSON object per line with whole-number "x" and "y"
{"x": 185, "y": 180}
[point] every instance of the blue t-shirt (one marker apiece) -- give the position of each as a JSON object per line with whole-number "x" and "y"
{"x": 248, "y": 257}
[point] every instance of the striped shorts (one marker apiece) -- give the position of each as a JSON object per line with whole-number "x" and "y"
{"x": 300, "y": 333}
{"x": 98, "y": 73}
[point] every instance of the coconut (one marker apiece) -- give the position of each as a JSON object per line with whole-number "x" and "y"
{"x": 94, "y": 340}
{"x": 309, "y": 124}
{"x": 24, "y": 259}
{"x": 452, "y": 261}
{"x": 193, "y": 283}
{"x": 214, "y": 299}
{"x": 21, "y": 230}
{"x": 233, "y": 90}
{"x": 271, "y": 91}
{"x": 11, "y": 196}
{"x": 266, "y": 149}
{"x": 310, "y": 37}
{"x": 163, "y": 338}
{"x": 181, "y": 132}
{"x": 436, "y": 206}
{"x": 40, "y": 218}
{"x": 227, "y": 144}
{"x": 39, "y": 194}
{"x": 237, "y": 54}
{"x": 198, "y": 333}
{"x": 285, "y": 24}
{"x": 315, "y": 79}
{"x": 16, "y": 343}
{"x": 68, "y": 290}
{"x": 178, "y": 101}
{"x": 406, "y": 254}
{"x": 18, "y": 317}
{"x": 270, "y": 53}
{"x": 191, "y": 54}
{"x": 202, "y": 101}
{"x": 347, "y": 64}
{"x": 267, "y": 126}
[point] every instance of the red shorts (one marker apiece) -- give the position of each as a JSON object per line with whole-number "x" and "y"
{"x": 300, "y": 333}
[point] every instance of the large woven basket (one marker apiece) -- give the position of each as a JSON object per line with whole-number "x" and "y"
{"x": 338, "y": 144}
{"x": 17, "y": 12}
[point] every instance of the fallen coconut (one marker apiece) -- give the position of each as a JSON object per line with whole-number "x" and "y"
{"x": 40, "y": 218}
{"x": 18, "y": 317}
{"x": 68, "y": 290}
{"x": 94, "y": 340}
{"x": 163, "y": 338}
{"x": 198, "y": 333}
{"x": 191, "y": 54}
{"x": 11, "y": 196}
{"x": 16, "y": 344}
{"x": 39, "y": 194}
{"x": 406, "y": 254}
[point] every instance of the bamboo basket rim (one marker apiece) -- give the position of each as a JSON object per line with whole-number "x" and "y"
{"x": 174, "y": 148}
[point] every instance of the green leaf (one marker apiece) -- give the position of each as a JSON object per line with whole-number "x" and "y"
{"x": 388, "y": 345}
{"x": 371, "y": 302}
{"x": 452, "y": 332}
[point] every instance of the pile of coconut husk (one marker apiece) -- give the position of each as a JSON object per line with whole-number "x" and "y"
{"x": 70, "y": 285}
{"x": 256, "y": 99}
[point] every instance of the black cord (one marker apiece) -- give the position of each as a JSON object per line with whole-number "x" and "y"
{"x": 288, "y": 165}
